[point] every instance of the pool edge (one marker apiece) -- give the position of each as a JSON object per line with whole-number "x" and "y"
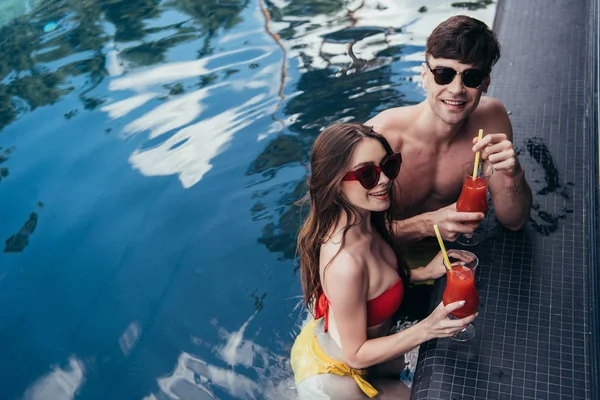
{"x": 593, "y": 226}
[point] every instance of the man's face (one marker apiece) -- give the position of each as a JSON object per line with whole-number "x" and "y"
{"x": 452, "y": 102}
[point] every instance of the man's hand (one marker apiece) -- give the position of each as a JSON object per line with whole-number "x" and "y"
{"x": 500, "y": 153}
{"x": 452, "y": 223}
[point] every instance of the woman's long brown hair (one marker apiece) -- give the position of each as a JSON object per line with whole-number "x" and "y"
{"x": 329, "y": 162}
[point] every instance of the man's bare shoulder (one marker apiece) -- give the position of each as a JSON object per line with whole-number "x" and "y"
{"x": 490, "y": 107}
{"x": 395, "y": 124}
{"x": 392, "y": 119}
{"x": 490, "y": 115}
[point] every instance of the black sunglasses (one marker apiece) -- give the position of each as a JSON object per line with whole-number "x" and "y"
{"x": 472, "y": 78}
{"x": 368, "y": 176}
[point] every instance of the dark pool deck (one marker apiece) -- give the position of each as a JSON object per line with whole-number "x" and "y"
{"x": 538, "y": 324}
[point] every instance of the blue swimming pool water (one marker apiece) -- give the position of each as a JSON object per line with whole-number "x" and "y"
{"x": 150, "y": 155}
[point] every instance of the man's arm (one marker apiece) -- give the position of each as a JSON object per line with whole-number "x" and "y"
{"x": 511, "y": 195}
{"x": 451, "y": 223}
{"x": 412, "y": 229}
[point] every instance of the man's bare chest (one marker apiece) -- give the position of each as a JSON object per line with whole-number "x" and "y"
{"x": 430, "y": 181}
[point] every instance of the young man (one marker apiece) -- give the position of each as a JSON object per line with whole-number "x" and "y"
{"x": 438, "y": 136}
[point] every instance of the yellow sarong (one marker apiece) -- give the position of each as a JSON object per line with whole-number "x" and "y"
{"x": 308, "y": 359}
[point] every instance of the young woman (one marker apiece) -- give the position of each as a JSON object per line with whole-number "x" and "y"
{"x": 352, "y": 276}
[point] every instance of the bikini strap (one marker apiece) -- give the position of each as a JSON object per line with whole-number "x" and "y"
{"x": 322, "y": 310}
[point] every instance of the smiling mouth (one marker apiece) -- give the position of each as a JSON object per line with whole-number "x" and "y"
{"x": 454, "y": 103}
{"x": 381, "y": 193}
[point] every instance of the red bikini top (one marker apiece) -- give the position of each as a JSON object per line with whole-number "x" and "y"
{"x": 379, "y": 309}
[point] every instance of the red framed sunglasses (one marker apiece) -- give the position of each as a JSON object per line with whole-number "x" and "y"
{"x": 368, "y": 176}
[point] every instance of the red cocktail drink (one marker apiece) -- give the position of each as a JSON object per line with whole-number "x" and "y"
{"x": 473, "y": 197}
{"x": 460, "y": 285}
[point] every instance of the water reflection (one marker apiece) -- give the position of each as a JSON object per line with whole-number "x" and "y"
{"x": 128, "y": 17}
{"x": 250, "y": 371}
{"x": 10, "y": 9}
{"x": 130, "y": 337}
{"x": 473, "y": 5}
{"x": 188, "y": 153}
{"x": 17, "y": 242}
{"x": 188, "y": 149}
{"x": 60, "y": 384}
{"x": 175, "y": 71}
{"x": 36, "y": 67}
{"x": 212, "y": 15}
{"x": 4, "y": 156}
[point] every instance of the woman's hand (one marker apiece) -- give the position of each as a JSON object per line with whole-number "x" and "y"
{"x": 436, "y": 267}
{"x": 438, "y": 325}
{"x": 433, "y": 270}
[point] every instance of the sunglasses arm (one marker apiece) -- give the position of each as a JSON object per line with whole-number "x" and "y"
{"x": 350, "y": 176}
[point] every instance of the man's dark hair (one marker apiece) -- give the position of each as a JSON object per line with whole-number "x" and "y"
{"x": 466, "y": 40}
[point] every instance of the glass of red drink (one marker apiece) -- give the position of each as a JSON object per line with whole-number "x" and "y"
{"x": 460, "y": 285}
{"x": 473, "y": 197}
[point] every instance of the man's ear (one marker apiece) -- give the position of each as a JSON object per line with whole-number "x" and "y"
{"x": 486, "y": 84}
{"x": 424, "y": 75}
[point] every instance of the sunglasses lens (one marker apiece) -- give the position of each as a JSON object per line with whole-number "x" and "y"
{"x": 369, "y": 177}
{"x": 473, "y": 78}
{"x": 443, "y": 76}
{"x": 391, "y": 166}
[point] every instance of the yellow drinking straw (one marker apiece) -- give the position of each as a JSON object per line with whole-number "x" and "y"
{"x": 439, "y": 238}
{"x": 477, "y": 155}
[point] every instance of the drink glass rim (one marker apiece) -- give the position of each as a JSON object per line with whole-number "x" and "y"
{"x": 472, "y": 265}
{"x": 485, "y": 166}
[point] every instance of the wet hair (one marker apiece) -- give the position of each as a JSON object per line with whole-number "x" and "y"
{"x": 465, "y": 39}
{"x": 329, "y": 162}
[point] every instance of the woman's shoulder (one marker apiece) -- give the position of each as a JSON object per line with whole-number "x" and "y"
{"x": 347, "y": 271}
{"x": 347, "y": 263}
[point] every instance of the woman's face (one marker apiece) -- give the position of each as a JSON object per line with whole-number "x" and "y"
{"x": 368, "y": 152}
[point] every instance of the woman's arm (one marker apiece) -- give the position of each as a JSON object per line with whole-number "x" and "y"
{"x": 346, "y": 283}
{"x": 435, "y": 269}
